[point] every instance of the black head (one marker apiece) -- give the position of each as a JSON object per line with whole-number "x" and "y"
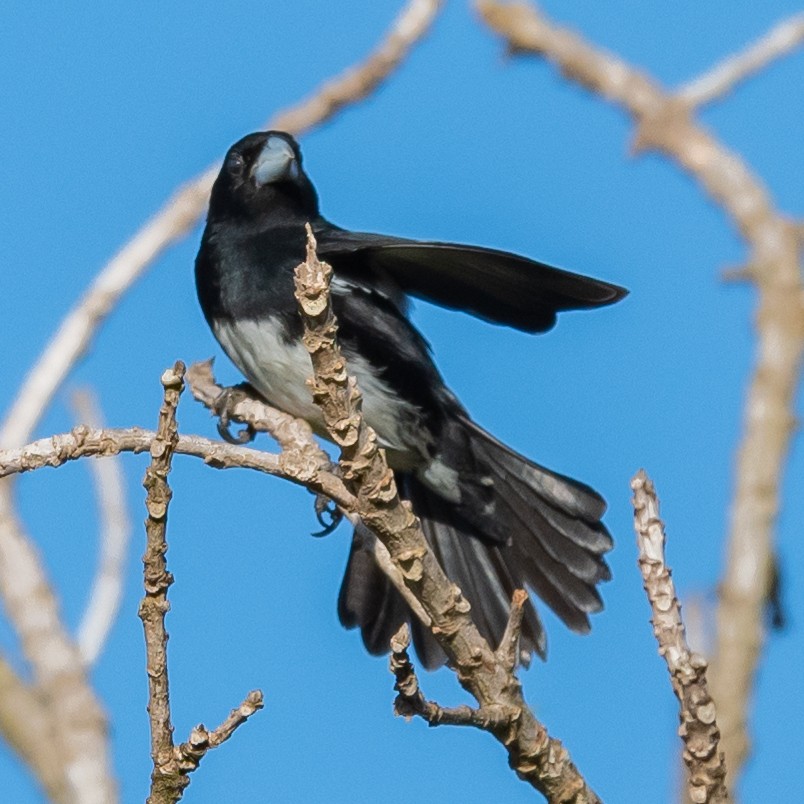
{"x": 262, "y": 177}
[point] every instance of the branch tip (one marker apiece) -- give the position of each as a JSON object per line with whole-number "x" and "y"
{"x": 400, "y": 641}
{"x": 698, "y": 728}
{"x": 508, "y": 649}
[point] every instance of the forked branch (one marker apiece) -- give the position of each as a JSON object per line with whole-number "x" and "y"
{"x": 171, "y": 764}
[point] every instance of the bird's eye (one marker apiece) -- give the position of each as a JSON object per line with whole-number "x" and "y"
{"x": 235, "y": 162}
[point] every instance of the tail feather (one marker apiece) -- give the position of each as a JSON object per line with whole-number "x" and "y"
{"x": 478, "y": 569}
{"x": 554, "y": 533}
{"x": 368, "y": 599}
{"x": 543, "y": 531}
{"x": 576, "y": 592}
{"x": 590, "y": 535}
{"x": 562, "y": 492}
{"x": 459, "y": 560}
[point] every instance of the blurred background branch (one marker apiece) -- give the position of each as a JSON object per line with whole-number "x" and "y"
{"x": 115, "y": 533}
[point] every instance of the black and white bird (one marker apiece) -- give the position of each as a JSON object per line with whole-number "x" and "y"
{"x": 495, "y": 520}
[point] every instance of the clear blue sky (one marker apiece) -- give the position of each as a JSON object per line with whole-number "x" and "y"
{"x": 105, "y": 109}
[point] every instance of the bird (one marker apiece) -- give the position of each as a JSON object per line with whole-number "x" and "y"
{"x": 495, "y": 520}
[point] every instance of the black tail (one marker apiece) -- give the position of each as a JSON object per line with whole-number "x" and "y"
{"x": 546, "y": 535}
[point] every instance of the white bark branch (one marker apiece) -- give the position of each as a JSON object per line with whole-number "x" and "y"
{"x": 115, "y": 534}
{"x": 782, "y": 39}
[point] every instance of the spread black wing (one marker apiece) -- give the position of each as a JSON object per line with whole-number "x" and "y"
{"x": 494, "y": 285}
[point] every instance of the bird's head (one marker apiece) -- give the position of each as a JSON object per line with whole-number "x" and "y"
{"x": 262, "y": 177}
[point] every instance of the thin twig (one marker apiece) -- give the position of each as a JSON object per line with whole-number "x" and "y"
{"x": 665, "y": 124}
{"x": 508, "y": 650}
{"x": 698, "y": 727}
{"x": 189, "y": 754}
{"x": 81, "y": 442}
{"x": 411, "y": 702}
{"x": 386, "y": 564}
{"x": 115, "y": 534}
{"x": 782, "y": 39}
{"x": 537, "y": 758}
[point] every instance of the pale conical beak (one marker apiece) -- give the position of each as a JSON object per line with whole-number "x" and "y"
{"x": 275, "y": 163}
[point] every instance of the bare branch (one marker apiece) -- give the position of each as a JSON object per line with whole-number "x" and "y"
{"x": 115, "y": 534}
{"x": 665, "y": 124}
{"x": 782, "y": 39}
{"x": 533, "y": 754}
{"x": 76, "y": 719}
{"x": 698, "y": 727}
{"x": 538, "y": 758}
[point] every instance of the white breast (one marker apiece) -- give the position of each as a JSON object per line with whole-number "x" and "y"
{"x": 279, "y": 371}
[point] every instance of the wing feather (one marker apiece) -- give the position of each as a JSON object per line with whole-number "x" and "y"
{"x": 494, "y": 285}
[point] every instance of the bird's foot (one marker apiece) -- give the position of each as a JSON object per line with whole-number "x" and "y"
{"x": 328, "y": 515}
{"x": 222, "y": 408}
